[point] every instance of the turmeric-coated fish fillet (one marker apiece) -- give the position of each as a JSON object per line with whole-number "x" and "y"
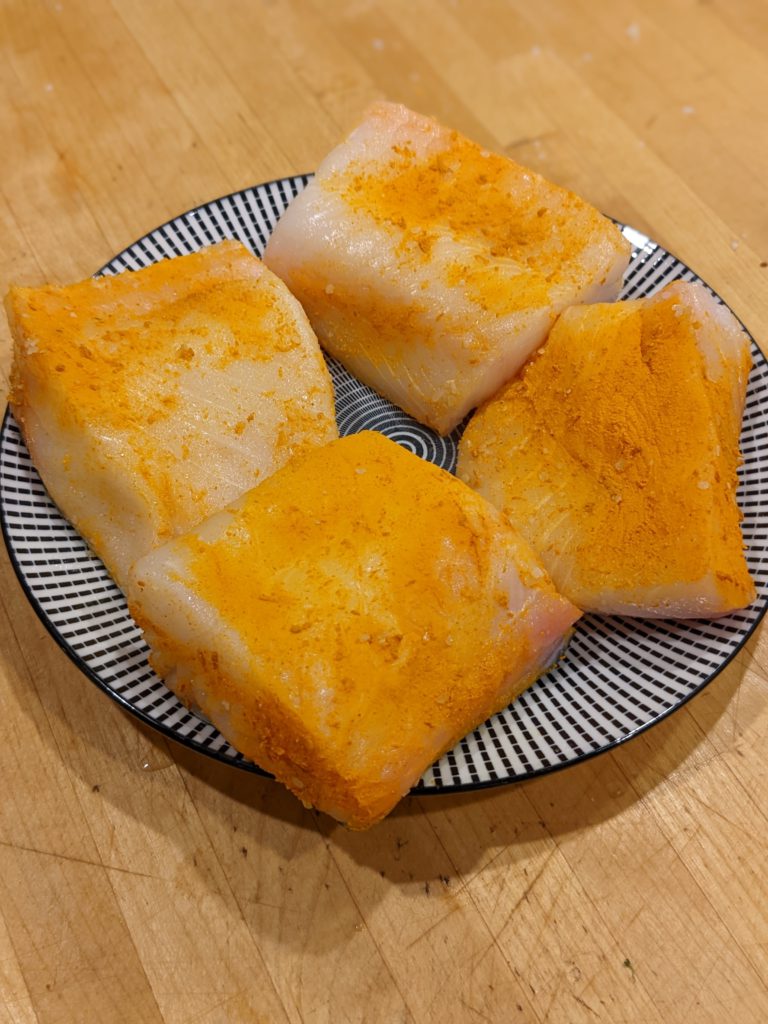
{"x": 616, "y": 452}
{"x": 349, "y": 620}
{"x": 150, "y": 399}
{"x": 433, "y": 268}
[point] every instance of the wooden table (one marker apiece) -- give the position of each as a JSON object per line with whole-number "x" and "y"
{"x": 141, "y": 882}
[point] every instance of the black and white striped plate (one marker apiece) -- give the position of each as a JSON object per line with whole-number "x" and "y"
{"x": 620, "y": 677}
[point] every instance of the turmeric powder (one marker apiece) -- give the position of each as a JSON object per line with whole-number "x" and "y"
{"x": 431, "y": 267}
{"x": 349, "y": 620}
{"x": 151, "y": 398}
{"x": 616, "y": 451}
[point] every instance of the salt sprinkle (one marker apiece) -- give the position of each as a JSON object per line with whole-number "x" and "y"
{"x": 377, "y": 44}
{"x": 633, "y": 31}
{"x": 687, "y": 110}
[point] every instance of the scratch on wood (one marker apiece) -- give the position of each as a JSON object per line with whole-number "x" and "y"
{"x": 435, "y": 924}
{"x": 75, "y": 860}
{"x": 474, "y": 1010}
{"x": 723, "y": 817}
{"x": 585, "y": 1004}
{"x": 525, "y": 893}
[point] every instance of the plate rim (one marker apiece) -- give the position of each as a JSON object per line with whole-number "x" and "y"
{"x": 244, "y": 764}
{"x": 86, "y": 669}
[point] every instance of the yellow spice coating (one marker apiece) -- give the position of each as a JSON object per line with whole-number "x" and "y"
{"x": 615, "y": 453}
{"x": 432, "y": 268}
{"x": 106, "y": 337}
{"x": 149, "y": 399}
{"x": 369, "y": 590}
{"x": 524, "y": 231}
{"x": 521, "y": 236}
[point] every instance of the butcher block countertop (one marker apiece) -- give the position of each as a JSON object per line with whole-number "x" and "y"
{"x": 143, "y": 882}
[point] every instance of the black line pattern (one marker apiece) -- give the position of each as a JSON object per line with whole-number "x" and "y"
{"x": 618, "y": 677}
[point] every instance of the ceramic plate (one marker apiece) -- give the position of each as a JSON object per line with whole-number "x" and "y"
{"x": 620, "y": 676}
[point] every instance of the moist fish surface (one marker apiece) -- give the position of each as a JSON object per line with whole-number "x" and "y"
{"x": 350, "y": 619}
{"x": 150, "y": 399}
{"x": 431, "y": 267}
{"x": 616, "y": 453}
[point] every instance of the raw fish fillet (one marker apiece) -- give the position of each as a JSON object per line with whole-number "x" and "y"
{"x": 616, "y": 451}
{"x": 349, "y": 620}
{"x": 432, "y": 268}
{"x": 150, "y": 399}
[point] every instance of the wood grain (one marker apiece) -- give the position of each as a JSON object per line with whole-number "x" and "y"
{"x": 139, "y": 882}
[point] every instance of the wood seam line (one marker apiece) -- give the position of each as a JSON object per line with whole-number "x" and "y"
{"x": 75, "y": 187}
{"x": 204, "y": 45}
{"x": 668, "y": 844}
{"x": 228, "y": 886}
{"x": 384, "y": 959}
{"x": 20, "y": 968}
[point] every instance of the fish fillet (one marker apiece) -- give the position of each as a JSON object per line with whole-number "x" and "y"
{"x": 432, "y": 268}
{"x": 616, "y": 451}
{"x": 349, "y": 620}
{"x": 150, "y": 399}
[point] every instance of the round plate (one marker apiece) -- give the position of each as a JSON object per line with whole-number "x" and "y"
{"x": 620, "y": 675}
